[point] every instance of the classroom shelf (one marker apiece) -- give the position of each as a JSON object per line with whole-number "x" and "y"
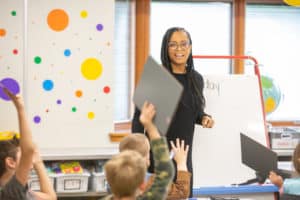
{"x": 78, "y": 154}
{"x": 82, "y": 194}
{"x": 283, "y": 152}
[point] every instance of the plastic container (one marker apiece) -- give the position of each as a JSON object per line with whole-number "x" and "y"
{"x": 71, "y": 183}
{"x": 98, "y": 182}
{"x": 34, "y": 183}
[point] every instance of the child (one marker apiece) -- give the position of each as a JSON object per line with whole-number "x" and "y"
{"x": 127, "y": 182}
{"x": 14, "y": 167}
{"x": 289, "y": 185}
{"x": 140, "y": 143}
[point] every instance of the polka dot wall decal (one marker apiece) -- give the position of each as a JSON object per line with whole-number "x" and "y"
{"x": 91, "y": 115}
{"x": 91, "y": 69}
{"x": 78, "y": 93}
{"x": 67, "y": 52}
{"x": 74, "y": 109}
{"x": 37, "y": 60}
{"x": 106, "y": 89}
{"x": 13, "y": 13}
{"x": 58, "y": 20}
{"x": 37, "y": 119}
{"x": 2, "y": 32}
{"x": 99, "y": 27}
{"x": 10, "y": 84}
{"x": 58, "y": 101}
{"x": 84, "y": 14}
{"x": 48, "y": 85}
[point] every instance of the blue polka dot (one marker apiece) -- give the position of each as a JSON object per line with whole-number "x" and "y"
{"x": 67, "y": 52}
{"x": 48, "y": 85}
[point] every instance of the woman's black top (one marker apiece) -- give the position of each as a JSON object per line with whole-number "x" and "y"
{"x": 184, "y": 119}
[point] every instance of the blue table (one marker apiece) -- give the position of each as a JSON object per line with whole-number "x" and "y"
{"x": 263, "y": 192}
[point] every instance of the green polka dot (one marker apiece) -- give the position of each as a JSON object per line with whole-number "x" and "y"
{"x": 13, "y": 13}
{"x": 74, "y": 109}
{"x": 37, "y": 60}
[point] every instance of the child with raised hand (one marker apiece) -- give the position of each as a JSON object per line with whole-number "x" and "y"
{"x": 289, "y": 185}
{"x": 16, "y": 165}
{"x": 180, "y": 188}
{"x": 130, "y": 185}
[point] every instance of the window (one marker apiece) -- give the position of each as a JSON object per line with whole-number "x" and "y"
{"x": 123, "y": 59}
{"x": 272, "y": 37}
{"x": 208, "y": 23}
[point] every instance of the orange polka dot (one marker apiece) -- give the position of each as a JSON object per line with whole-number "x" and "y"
{"x": 2, "y": 32}
{"x": 58, "y": 20}
{"x": 78, "y": 93}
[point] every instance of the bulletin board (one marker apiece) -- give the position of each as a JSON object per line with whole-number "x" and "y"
{"x": 234, "y": 102}
{"x": 67, "y": 74}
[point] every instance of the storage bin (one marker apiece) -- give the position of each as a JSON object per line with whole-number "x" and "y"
{"x": 284, "y": 137}
{"x": 34, "y": 183}
{"x": 68, "y": 183}
{"x": 98, "y": 182}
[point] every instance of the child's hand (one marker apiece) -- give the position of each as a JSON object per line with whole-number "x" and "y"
{"x": 17, "y": 99}
{"x": 276, "y": 179}
{"x": 180, "y": 154}
{"x": 147, "y": 114}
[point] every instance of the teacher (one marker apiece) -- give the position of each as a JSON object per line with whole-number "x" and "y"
{"x": 176, "y": 57}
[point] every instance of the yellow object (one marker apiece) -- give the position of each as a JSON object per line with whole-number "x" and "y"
{"x": 71, "y": 168}
{"x": 292, "y": 2}
{"x": 8, "y": 135}
{"x": 270, "y": 105}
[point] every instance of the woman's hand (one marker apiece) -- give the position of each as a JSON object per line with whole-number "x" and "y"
{"x": 207, "y": 122}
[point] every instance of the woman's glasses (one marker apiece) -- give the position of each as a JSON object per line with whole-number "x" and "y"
{"x": 183, "y": 45}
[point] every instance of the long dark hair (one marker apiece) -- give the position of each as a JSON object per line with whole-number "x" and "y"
{"x": 197, "y": 92}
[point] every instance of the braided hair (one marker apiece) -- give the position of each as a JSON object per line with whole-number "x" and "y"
{"x": 197, "y": 92}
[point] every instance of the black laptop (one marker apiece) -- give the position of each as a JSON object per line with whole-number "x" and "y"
{"x": 260, "y": 158}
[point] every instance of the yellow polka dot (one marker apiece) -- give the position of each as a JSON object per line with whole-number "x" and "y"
{"x": 91, "y": 115}
{"x": 84, "y": 14}
{"x": 292, "y": 2}
{"x": 91, "y": 69}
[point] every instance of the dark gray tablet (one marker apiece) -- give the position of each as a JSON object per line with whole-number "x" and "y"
{"x": 257, "y": 156}
{"x": 158, "y": 86}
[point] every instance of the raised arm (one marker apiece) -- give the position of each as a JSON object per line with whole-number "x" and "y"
{"x": 26, "y": 144}
{"x": 180, "y": 189}
{"x": 46, "y": 188}
{"x": 163, "y": 166}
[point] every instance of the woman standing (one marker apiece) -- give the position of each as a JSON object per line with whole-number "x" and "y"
{"x": 176, "y": 56}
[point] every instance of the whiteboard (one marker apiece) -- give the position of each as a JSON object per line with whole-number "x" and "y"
{"x": 235, "y": 104}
